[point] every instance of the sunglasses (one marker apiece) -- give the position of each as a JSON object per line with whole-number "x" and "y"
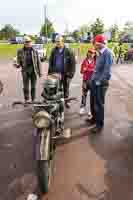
{"x": 27, "y": 42}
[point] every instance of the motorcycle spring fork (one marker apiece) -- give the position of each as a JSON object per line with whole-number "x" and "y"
{"x": 44, "y": 146}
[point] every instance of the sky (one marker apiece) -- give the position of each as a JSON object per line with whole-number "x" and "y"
{"x": 28, "y": 15}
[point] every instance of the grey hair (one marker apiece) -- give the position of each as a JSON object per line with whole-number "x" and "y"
{"x": 59, "y": 37}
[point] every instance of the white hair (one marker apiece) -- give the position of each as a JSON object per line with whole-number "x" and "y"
{"x": 59, "y": 37}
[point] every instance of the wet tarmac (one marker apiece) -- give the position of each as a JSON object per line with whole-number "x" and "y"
{"x": 87, "y": 167}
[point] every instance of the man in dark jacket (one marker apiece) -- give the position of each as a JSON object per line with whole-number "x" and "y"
{"x": 28, "y": 60}
{"x": 62, "y": 60}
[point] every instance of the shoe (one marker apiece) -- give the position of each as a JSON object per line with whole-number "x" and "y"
{"x": 90, "y": 121}
{"x": 27, "y": 101}
{"x": 67, "y": 105}
{"x": 97, "y": 130}
{"x": 89, "y": 115}
{"x": 82, "y": 111}
{"x": 32, "y": 197}
{"x": 33, "y": 101}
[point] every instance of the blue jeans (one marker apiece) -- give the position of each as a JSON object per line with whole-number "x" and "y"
{"x": 97, "y": 102}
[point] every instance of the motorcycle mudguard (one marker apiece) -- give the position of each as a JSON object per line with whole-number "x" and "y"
{"x": 42, "y": 144}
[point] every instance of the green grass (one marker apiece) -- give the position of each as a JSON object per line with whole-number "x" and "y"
{"x": 9, "y": 50}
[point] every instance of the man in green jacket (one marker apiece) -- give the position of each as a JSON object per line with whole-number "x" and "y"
{"x": 28, "y": 60}
{"x": 62, "y": 60}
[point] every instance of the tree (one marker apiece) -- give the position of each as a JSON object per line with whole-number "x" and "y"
{"x": 97, "y": 27}
{"x": 114, "y": 32}
{"x": 8, "y": 31}
{"x": 84, "y": 29}
{"x": 47, "y": 29}
{"x": 128, "y": 26}
{"x": 76, "y": 35}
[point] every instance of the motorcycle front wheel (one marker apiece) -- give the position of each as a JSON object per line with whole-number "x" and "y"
{"x": 44, "y": 175}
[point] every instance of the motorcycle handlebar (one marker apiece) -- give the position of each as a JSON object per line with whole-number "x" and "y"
{"x": 39, "y": 103}
{"x": 70, "y": 99}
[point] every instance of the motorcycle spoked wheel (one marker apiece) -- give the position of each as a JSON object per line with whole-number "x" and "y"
{"x": 1, "y": 87}
{"x": 45, "y": 175}
{"x": 45, "y": 169}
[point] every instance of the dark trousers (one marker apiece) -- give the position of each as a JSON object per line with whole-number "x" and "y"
{"x": 119, "y": 60}
{"x": 29, "y": 79}
{"x": 65, "y": 82}
{"x": 85, "y": 90}
{"x": 97, "y": 102}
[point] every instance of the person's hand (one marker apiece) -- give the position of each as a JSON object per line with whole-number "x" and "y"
{"x": 98, "y": 83}
{"x": 16, "y": 66}
{"x": 84, "y": 69}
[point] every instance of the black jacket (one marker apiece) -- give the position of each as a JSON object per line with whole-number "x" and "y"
{"x": 69, "y": 62}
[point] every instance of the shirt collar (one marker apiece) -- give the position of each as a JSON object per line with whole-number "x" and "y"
{"x": 61, "y": 50}
{"x": 102, "y": 50}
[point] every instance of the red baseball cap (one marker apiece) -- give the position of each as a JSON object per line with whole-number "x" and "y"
{"x": 100, "y": 39}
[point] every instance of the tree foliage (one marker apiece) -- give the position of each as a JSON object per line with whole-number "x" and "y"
{"x": 128, "y": 26}
{"x": 114, "y": 32}
{"x": 47, "y": 29}
{"x": 76, "y": 35}
{"x": 84, "y": 29}
{"x": 8, "y": 31}
{"x": 97, "y": 27}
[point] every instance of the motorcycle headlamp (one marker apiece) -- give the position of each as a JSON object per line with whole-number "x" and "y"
{"x": 41, "y": 120}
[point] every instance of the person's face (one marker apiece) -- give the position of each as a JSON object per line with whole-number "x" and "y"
{"x": 60, "y": 43}
{"x": 90, "y": 55}
{"x": 98, "y": 46}
{"x": 28, "y": 44}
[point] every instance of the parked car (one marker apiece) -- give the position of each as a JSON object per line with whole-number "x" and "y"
{"x": 16, "y": 40}
{"x": 70, "y": 40}
{"x": 13, "y": 41}
{"x": 42, "y": 52}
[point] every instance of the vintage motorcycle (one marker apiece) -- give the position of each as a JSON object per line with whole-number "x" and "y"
{"x": 48, "y": 120}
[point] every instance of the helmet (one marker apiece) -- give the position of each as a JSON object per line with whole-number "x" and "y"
{"x": 50, "y": 88}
